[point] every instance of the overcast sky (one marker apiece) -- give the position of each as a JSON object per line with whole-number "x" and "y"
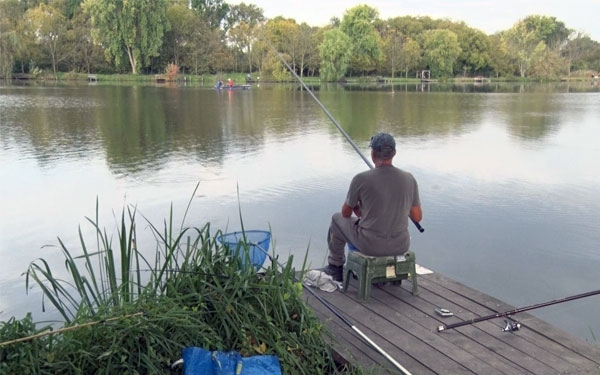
{"x": 488, "y": 16}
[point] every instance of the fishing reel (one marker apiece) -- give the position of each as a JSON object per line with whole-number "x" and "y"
{"x": 511, "y": 325}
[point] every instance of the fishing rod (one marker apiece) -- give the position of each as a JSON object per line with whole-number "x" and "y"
{"x": 61, "y": 330}
{"x": 512, "y": 327}
{"x": 337, "y": 313}
{"x": 337, "y": 125}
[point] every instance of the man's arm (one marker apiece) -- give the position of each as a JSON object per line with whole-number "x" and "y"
{"x": 415, "y": 213}
{"x": 347, "y": 210}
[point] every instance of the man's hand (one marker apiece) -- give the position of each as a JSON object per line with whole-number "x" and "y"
{"x": 356, "y": 210}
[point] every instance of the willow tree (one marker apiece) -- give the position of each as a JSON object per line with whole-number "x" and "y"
{"x": 129, "y": 30}
{"x": 335, "y": 52}
{"x": 10, "y": 43}
{"x": 367, "y": 47}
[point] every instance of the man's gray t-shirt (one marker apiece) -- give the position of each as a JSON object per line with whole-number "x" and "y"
{"x": 386, "y": 195}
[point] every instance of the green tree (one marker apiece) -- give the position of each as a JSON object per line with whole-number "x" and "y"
{"x": 87, "y": 55}
{"x": 178, "y": 40}
{"x": 273, "y": 68}
{"x": 548, "y": 29}
{"x": 521, "y": 44}
{"x": 303, "y": 47}
{"x": 244, "y": 23}
{"x": 393, "y": 41}
{"x": 441, "y": 51}
{"x": 249, "y": 14}
{"x": 214, "y": 12}
{"x": 475, "y": 50}
{"x": 10, "y": 38}
{"x": 410, "y": 58}
{"x": 545, "y": 62}
{"x": 131, "y": 30}
{"x": 335, "y": 52}
{"x": 313, "y": 60}
{"x": 283, "y": 35}
{"x": 366, "y": 44}
{"x": 408, "y": 26}
{"x": 524, "y": 39}
{"x": 582, "y": 53}
{"x": 49, "y": 27}
{"x": 190, "y": 42}
{"x": 207, "y": 51}
{"x": 500, "y": 62}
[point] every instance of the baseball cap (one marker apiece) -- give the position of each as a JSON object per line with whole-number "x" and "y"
{"x": 384, "y": 145}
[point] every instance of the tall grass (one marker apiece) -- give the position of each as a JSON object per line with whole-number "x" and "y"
{"x": 196, "y": 294}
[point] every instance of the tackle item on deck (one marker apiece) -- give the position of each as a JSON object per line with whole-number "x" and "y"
{"x": 198, "y": 361}
{"x": 443, "y": 312}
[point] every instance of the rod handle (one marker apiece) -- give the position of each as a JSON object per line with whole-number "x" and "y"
{"x": 419, "y": 227}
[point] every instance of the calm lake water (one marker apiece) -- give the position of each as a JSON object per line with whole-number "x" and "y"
{"x": 508, "y": 175}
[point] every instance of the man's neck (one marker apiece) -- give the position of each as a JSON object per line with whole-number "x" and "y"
{"x": 382, "y": 163}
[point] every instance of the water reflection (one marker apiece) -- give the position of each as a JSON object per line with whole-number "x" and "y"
{"x": 507, "y": 173}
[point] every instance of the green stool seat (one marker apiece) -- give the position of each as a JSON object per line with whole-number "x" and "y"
{"x": 370, "y": 269}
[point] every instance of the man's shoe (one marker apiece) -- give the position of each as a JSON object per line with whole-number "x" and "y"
{"x": 336, "y": 272}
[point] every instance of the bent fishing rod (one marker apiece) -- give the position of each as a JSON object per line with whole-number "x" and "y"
{"x": 516, "y": 311}
{"x": 333, "y": 120}
{"x": 338, "y": 314}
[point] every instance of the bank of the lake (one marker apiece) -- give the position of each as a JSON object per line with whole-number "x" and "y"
{"x": 137, "y": 315}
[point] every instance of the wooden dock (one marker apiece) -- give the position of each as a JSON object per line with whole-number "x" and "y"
{"x": 406, "y": 328}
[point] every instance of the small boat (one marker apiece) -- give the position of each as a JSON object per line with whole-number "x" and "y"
{"x": 234, "y": 87}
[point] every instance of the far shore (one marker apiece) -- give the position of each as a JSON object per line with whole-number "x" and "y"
{"x": 244, "y": 78}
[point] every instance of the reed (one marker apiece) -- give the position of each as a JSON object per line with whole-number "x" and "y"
{"x": 196, "y": 294}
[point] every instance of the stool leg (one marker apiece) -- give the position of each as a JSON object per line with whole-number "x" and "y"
{"x": 363, "y": 282}
{"x": 413, "y": 276}
{"x": 347, "y": 273}
{"x": 368, "y": 284}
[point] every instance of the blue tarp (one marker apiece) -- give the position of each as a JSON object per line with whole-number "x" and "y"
{"x": 198, "y": 361}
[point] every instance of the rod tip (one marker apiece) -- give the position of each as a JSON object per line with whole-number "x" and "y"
{"x": 441, "y": 328}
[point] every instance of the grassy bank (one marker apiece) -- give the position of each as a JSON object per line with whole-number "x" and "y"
{"x": 125, "y": 313}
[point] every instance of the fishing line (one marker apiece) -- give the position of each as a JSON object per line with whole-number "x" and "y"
{"x": 337, "y": 313}
{"x": 515, "y": 311}
{"x": 333, "y": 120}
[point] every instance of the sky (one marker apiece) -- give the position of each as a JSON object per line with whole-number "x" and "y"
{"x": 489, "y": 16}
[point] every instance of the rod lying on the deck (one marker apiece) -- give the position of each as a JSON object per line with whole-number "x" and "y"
{"x": 341, "y": 316}
{"x": 515, "y": 311}
{"x": 337, "y": 125}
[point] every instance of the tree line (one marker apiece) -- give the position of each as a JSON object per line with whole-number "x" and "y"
{"x": 211, "y": 36}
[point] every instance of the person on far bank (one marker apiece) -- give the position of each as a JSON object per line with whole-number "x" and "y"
{"x": 382, "y": 200}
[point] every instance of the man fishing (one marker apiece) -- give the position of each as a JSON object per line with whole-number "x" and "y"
{"x": 382, "y": 199}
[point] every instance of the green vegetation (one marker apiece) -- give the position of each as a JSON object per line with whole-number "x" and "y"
{"x": 127, "y": 314}
{"x": 213, "y": 37}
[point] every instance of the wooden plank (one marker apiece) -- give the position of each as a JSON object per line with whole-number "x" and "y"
{"x": 366, "y": 353}
{"x": 529, "y": 342}
{"x": 349, "y": 346}
{"x": 405, "y": 327}
{"x": 573, "y": 343}
{"x": 479, "y": 358}
{"x": 563, "y": 350}
{"x": 502, "y": 344}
